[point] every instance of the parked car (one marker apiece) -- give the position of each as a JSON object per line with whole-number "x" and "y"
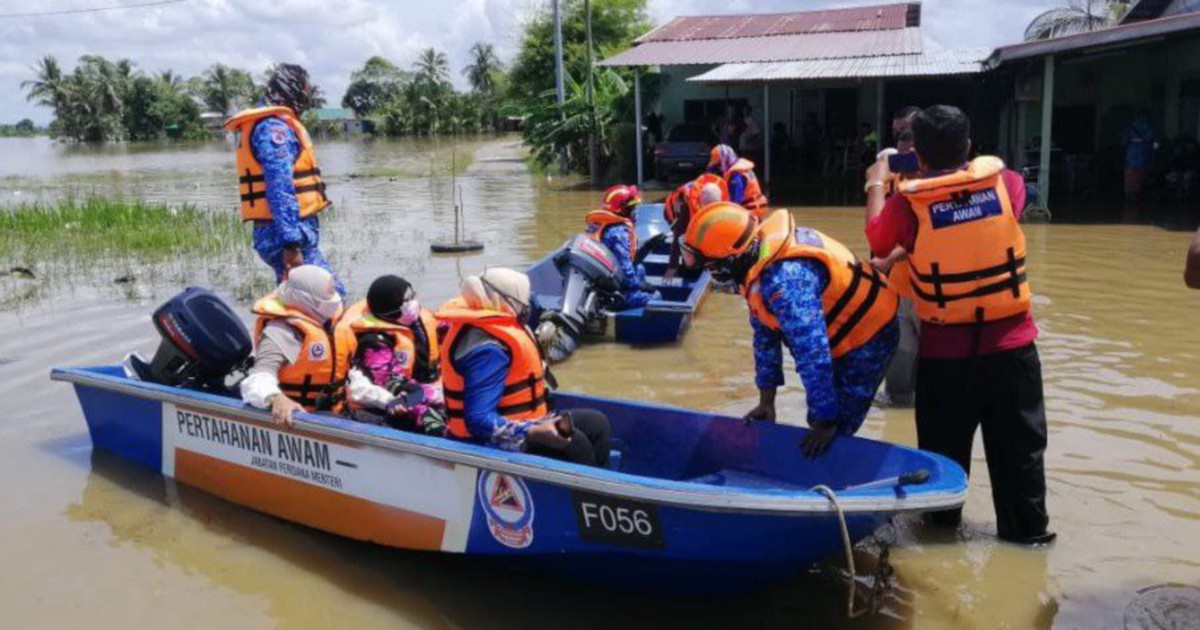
{"x": 684, "y": 154}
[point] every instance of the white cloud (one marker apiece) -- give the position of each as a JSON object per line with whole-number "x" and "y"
{"x": 333, "y": 38}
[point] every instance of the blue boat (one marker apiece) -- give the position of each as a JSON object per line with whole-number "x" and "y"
{"x": 659, "y": 322}
{"x": 691, "y": 502}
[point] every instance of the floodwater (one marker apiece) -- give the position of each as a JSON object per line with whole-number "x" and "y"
{"x": 89, "y": 541}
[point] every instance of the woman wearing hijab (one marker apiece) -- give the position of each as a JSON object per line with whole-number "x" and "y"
{"x": 495, "y": 379}
{"x": 295, "y": 356}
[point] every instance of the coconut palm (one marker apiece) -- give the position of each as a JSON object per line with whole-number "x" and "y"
{"x": 432, "y": 67}
{"x": 482, "y": 71}
{"x": 50, "y": 85}
{"x": 225, "y": 88}
{"x": 1079, "y": 16}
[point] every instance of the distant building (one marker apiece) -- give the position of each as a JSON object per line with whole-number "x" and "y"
{"x": 336, "y": 120}
{"x": 213, "y": 121}
{"x": 822, "y": 76}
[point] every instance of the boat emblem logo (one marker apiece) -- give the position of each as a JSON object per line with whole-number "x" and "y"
{"x": 509, "y": 508}
{"x": 317, "y": 351}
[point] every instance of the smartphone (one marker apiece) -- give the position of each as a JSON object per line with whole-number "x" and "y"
{"x": 903, "y": 162}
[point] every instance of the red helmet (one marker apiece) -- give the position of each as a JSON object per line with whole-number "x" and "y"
{"x": 621, "y": 199}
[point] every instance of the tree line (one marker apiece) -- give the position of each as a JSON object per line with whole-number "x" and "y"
{"x": 101, "y": 99}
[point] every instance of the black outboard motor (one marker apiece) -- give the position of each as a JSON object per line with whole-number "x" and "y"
{"x": 591, "y": 284}
{"x": 203, "y": 342}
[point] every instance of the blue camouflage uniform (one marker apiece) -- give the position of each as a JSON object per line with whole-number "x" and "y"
{"x": 616, "y": 238}
{"x": 737, "y": 187}
{"x": 276, "y": 148}
{"x": 837, "y": 390}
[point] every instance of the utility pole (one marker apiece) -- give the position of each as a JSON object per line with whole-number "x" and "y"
{"x": 558, "y": 77}
{"x": 593, "y": 164}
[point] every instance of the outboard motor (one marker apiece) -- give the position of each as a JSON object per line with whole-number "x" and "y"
{"x": 203, "y": 342}
{"x": 591, "y": 284}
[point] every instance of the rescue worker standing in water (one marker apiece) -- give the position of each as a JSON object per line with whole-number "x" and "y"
{"x": 978, "y": 364}
{"x": 805, "y": 290}
{"x": 613, "y": 226}
{"x": 740, "y": 180}
{"x": 495, "y": 378}
{"x": 296, "y": 362}
{"x": 279, "y": 180}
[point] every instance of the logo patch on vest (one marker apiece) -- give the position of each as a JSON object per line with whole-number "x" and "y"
{"x": 965, "y": 208}
{"x": 508, "y": 505}
{"x": 317, "y": 351}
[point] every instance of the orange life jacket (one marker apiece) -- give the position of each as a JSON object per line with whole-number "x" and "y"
{"x": 600, "y": 220}
{"x": 252, "y": 186}
{"x": 524, "y": 395}
{"x": 753, "y": 198}
{"x": 317, "y": 378}
{"x": 857, "y": 302}
{"x": 968, "y": 262}
{"x": 419, "y": 362}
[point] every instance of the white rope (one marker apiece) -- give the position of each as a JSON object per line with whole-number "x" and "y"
{"x": 829, "y": 494}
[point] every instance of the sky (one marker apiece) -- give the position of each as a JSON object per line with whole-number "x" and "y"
{"x": 333, "y": 37}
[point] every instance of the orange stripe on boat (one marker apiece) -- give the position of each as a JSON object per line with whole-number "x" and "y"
{"x": 310, "y": 505}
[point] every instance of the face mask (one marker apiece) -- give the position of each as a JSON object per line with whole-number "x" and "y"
{"x": 410, "y": 313}
{"x": 326, "y": 309}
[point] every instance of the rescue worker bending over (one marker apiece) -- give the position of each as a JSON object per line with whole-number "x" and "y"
{"x": 685, "y": 202}
{"x": 295, "y": 349}
{"x": 808, "y": 292}
{"x": 394, "y": 359}
{"x": 279, "y": 181}
{"x": 495, "y": 377}
{"x": 740, "y": 180}
{"x": 612, "y": 225}
{"x": 977, "y": 363}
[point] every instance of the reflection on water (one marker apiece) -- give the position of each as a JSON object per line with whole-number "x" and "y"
{"x": 102, "y": 544}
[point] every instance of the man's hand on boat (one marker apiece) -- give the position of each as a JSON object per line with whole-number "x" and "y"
{"x": 818, "y": 439}
{"x": 765, "y": 410}
{"x": 553, "y": 431}
{"x": 282, "y": 409}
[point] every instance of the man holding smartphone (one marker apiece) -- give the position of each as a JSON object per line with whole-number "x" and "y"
{"x": 978, "y": 365}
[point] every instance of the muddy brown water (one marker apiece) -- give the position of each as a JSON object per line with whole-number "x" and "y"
{"x": 90, "y": 541}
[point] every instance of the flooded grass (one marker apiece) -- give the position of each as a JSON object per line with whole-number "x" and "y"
{"x": 441, "y": 162}
{"x": 99, "y": 227}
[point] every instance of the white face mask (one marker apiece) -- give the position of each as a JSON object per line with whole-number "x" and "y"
{"x": 410, "y": 313}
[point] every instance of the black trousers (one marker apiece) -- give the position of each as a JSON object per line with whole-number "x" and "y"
{"x": 1001, "y": 392}
{"x": 591, "y": 440}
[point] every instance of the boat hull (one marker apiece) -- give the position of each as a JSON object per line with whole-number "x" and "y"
{"x": 431, "y": 494}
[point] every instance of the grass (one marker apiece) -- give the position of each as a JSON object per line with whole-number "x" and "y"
{"x": 106, "y": 227}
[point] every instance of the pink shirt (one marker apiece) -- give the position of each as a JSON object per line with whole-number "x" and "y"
{"x": 897, "y": 225}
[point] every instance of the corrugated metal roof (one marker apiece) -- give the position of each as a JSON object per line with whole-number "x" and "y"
{"x": 927, "y": 64}
{"x": 774, "y": 48}
{"x": 1105, "y": 38}
{"x": 1145, "y": 10}
{"x": 871, "y": 18}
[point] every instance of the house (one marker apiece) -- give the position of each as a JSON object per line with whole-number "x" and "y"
{"x": 335, "y": 120}
{"x": 1056, "y": 106}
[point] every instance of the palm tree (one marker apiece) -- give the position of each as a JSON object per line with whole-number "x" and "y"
{"x": 481, "y": 73}
{"x": 172, "y": 80}
{"x": 432, "y": 66}
{"x": 48, "y": 89}
{"x": 1079, "y": 16}
{"x": 225, "y": 88}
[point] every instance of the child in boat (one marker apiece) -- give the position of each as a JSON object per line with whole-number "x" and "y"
{"x": 394, "y": 375}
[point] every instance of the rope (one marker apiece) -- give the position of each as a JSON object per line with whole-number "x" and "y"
{"x": 829, "y": 494}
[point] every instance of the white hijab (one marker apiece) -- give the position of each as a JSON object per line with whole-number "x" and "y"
{"x": 312, "y": 290}
{"x": 497, "y": 289}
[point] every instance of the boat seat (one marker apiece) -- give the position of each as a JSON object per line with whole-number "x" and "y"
{"x": 730, "y": 478}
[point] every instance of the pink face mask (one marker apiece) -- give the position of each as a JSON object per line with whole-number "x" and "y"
{"x": 409, "y": 313}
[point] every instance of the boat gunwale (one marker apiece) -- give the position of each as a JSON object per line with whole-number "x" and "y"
{"x": 679, "y": 494}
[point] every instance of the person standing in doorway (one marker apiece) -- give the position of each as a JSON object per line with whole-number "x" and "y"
{"x": 280, "y": 184}
{"x": 1139, "y": 152}
{"x": 978, "y": 365}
